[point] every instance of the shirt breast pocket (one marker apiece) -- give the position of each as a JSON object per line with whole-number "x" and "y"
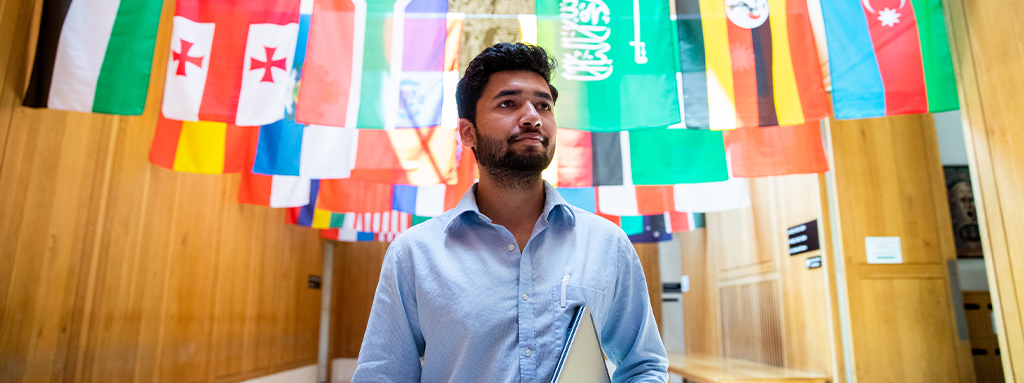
{"x": 576, "y": 296}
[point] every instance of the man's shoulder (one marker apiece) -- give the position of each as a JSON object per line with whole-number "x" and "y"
{"x": 424, "y": 233}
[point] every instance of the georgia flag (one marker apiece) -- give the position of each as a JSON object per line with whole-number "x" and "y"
{"x": 230, "y": 60}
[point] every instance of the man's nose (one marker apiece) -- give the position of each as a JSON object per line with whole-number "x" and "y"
{"x": 530, "y": 116}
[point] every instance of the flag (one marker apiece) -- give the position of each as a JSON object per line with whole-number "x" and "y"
{"x": 321, "y": 152}
{"x": 353, "y": 82}
{"x": 710, "y": 197}
{"x": 272, "y": 191}
{"x": 641, "y": 157}
{"x": 230, "y": 60}
{"x": 200, "y": 147}
{"x": 422, "y": 156}
{"x": 94, "y": 56}
{"x": 352, "y": 195}
{"x": 347, "y": 235}
{"x": 427, "y": 201}
{"x": 748, "y": 64}
{"x": 889, "y": 57}
{"x": 286, "y": 147}
{"x": 760, "y": 152}
{"x": 617, "y": 63}
{"x": 657, "y": 227}
{"x": 584, "y": 198}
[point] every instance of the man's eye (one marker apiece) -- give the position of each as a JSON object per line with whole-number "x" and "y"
{"x": 544, "y": 106}
{"x": 505, "y": 104}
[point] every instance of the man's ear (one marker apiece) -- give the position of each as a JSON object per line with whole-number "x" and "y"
{"x": 467, "y": 132}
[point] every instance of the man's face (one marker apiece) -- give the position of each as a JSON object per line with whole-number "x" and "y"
{"x": 515, "y": 124}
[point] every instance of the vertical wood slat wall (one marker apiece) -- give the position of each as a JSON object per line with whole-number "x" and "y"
{"x": 748, "y": 297}
{"x": 988, "y": 55}
{"x": 114, "y": 270}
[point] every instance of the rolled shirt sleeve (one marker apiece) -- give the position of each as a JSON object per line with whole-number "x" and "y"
{"x": 393, "y": 344}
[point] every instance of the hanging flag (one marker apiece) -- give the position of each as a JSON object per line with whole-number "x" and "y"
{"x": 630, "y": 200}
{"x": 352, "y": 195}
{"x": 889, "y": 57}
{"x": 288, "y": 148}
{"x": 712, "y": 196}
{"x": 230, "y": 60}
{"x": 94, "y": 56}
{"x": 200, "y": 147}
{"x": 760, "y": 152}
{"x": 358, "y": 79}
{"x": 427, "y": 201}
{"x": 641, "y": 157}
{"x": 657, "y": 227}
{"x": 584, "y": 198}
{"x": 424, "y": 156}
{"x": 748, "y": 64}
{"x": 347, "y": 235}
{"x": 617, "y": 63}
{"x": 321, "y": 152}
{"x": 272, "y": 191}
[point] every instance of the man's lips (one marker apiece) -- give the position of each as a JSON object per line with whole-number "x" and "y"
{"x": 531, "y": 137}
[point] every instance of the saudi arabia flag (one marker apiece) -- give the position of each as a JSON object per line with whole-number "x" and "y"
{"x": 94, "y": 55}
{"x": 617, "y": 62}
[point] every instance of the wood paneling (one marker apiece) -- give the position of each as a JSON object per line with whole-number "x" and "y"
{"x": 357, "y": 268}
{"x": 889, "y": 182}
{"x": 752, "y": 322}
{"x": 114, "y": 270}
{"x": 987, "y": 53}
{"x": 700, "y": 304}
{"x": 772, "y": 308}
{"x": 648, "y": 253}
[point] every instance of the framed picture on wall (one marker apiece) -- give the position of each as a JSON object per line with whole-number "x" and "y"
{"x": 964, "y": 216}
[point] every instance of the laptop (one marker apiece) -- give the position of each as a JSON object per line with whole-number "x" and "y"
{"x": 582, "y": 359}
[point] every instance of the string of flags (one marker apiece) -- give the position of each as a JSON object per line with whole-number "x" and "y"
{"x": 343, "y": 112}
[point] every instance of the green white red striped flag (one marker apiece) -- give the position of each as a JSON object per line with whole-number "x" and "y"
{"x": 94, "y": 55}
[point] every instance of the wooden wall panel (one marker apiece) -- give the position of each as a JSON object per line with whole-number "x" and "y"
{"x": 114, "y": 270}
{"x": 700, "y": 304}
{"x": 648, "y": 253}
{"x": 987, "y": 54}
{"x": 751, "y": 320}
{"x": 889, "y": 182}
{"x": 357, "y": 268}
{"x": 772, "y": 309}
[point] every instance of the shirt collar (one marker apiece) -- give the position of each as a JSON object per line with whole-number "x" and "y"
{"x": 552, "y": 199}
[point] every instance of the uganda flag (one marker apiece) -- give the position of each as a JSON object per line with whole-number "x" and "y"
{"x": 748, "y": 63}
{"x": 94, "y": 55}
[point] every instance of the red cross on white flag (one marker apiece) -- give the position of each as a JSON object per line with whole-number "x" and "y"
{"x": 266, "y": 88}
{"x": 187, "y": 68}
{"x": 230, "y": 61}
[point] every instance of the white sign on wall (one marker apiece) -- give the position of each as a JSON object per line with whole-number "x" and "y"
{"x": 884, "y": 249}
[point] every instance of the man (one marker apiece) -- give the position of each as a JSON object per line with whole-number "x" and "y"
{"x": 485, "y": 291}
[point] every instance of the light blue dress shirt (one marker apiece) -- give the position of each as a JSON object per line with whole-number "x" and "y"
{"x": 457, "y": 292}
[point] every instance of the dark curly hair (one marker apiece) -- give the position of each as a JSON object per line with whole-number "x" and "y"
{"x": 498, "y": 58}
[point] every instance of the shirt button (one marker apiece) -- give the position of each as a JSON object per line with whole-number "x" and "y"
{"x": 525, "y": 297}
{"x": 527, "y": 353}
{"x": 511, "y": 247}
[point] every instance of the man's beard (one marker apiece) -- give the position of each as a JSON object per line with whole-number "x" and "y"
{"x": 511, "y": 169}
